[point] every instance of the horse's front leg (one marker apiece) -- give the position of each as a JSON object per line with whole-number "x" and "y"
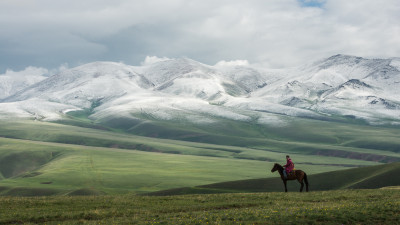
{"x": 301, "y": 187}
{"x": 284, "y": 182}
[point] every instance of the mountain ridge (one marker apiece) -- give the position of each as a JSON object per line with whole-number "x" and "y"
{"x": 366, "y": 89}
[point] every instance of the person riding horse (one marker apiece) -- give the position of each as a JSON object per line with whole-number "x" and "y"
{"x": 285, "y": 170}
{"x": 288, "y": 167}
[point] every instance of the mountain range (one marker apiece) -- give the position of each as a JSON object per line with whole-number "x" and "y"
{"x": 182, "y": 89}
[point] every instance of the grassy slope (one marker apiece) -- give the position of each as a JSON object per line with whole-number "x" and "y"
{"x": 296, "y": 130}
{"x": 97, "y": 158}
{"x": 118, "y": 170}
{"x": 56, "y": 133}
{"x": 296, "y": 136}
{"x": 73, "y": 167}
{"x": 364, "y": 178}
{"x": 340, "y": 132}
{"x": 333, "y": 207}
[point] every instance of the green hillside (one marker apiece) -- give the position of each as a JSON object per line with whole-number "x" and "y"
{"x": 80, "y": 156}
{"x": 294, "y": 134}
{"x": 45, "y": 168}
{"x": 371, "y": 177}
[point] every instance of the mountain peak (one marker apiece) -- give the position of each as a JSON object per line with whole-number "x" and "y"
{"x": 355, "y": 84}
{"x": 170, "y": 88}
{"x": 340, "y": 59}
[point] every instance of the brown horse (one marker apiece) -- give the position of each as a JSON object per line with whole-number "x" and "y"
{"x": 298, "y": 175}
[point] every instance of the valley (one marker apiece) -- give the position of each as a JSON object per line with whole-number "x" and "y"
{"x": 110, "y": 128}
{"x": 42, "y": 158}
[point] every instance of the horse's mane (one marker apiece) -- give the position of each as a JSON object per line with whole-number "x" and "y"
{"x": 279, "y": 166}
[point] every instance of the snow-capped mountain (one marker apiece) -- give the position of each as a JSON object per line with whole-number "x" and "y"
{"x": 344, "y": 85}
{"x": 188, "y": 90}
{"x": 83, "y": 85}
{"x": 9, "y": 84}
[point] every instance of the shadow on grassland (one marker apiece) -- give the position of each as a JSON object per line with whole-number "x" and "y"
{"x": 371, "y": 177}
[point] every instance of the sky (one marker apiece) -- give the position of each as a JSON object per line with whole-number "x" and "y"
{"x": 55, "y": 35}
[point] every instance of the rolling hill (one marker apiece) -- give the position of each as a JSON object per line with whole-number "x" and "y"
{"x": 106, "y": 128}
{"x": 42, "y": 158}
{"x": 371, "y": 177}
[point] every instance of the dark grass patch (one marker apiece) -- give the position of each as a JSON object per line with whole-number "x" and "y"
{"x": 85, "y": 192}
{"x": 31, "y": 174}
{"x": 29, "y": 192}
{"x": 47, "y": 182}
{"x": 357, "y": 155}
{"x": 20, "y": 162}
{"x": 265, "y": 159}
{"x": 3, "y": 188}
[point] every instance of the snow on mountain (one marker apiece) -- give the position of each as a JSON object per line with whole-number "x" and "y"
{"x": 185, "y": 77}
{"x": 166, "y": 107}
{"x": 344, "y": 85}
{"x": 351, "y": 89}
{"x": 86, "y": 85}
{"x": 12, "y": 82}
{"x": 34, "y": 108}
{"x": 366, "y": 80}
{"x": 184, "y": 89}
{"x": 247, "y": 78}
{"x": 164, "y": 71}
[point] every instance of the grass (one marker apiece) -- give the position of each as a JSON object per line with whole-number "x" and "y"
{"x": 48, "y": 132}
{"x": 371, "y": 177}
{"x": 41, "y": 158}
{"x": 69, "y": 167}
{"x": 93, "y": 173}
{"x": 118, "y": 170}
{"x": 327, "y": 207}
{"x": 296, "y": 130}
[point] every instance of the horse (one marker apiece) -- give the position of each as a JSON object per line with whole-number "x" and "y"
{"x": 298, "y": 175}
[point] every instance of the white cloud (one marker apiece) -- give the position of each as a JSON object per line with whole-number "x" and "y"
{"x": 278, "y": 33}
{"x": 153, "y": 59}
{"x": 63, "y": 67}
{"x": 12, "y": 81}
{"x": 232, "y": 63}
{"x": 35, "y": 71}
{"x": 28, "y": 71}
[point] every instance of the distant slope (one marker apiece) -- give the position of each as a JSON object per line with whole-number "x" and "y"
{"x": 73, "y": 160}
{"x": 41, "y": 158}
{"x": 359, "y": 178}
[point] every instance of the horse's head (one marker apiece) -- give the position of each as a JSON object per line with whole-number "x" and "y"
{"x": 275, "y": 168}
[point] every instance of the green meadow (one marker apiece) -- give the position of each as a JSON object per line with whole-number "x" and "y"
{"x": 327, "y": 207}
{"x": 80, "y": 171}
{"x": 42, "y": 158}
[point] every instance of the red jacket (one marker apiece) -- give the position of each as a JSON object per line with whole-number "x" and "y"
{"x": 289, "y": 165}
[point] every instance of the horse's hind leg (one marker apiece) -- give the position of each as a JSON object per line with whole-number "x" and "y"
{"x": 300, "y": 180}
{"x": 301, "y": 187}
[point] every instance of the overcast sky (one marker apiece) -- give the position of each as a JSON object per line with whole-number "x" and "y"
{"x": 275, "y": 33}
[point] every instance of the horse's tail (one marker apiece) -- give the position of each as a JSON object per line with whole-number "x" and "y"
{"x": 306, "y": 181}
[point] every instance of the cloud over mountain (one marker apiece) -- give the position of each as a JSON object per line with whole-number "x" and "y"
{"x": 276, "y": 33}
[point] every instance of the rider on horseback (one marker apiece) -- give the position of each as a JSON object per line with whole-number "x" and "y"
{"x": 288, "y": 167}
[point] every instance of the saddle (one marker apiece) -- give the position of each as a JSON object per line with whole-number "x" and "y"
{"x": 292, "y": 173}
